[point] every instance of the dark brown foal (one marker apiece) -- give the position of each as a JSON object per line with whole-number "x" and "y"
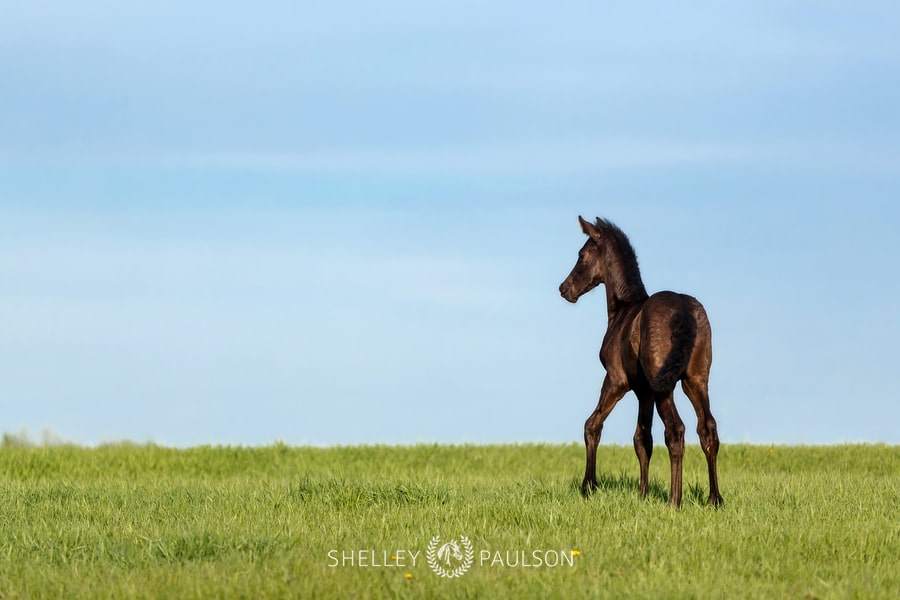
{"x": 651, "y": 343}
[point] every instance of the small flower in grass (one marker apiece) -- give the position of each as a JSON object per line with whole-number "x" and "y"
{"x": 408, "y": 575}
{"x": 576, "y": 553}
{"x": 394, "y": 557}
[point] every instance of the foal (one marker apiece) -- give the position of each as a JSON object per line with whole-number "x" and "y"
{"x": 651, "y": 343}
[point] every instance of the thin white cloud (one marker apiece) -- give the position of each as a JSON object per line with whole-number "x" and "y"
{"x": 531, "y": 158}
{"x": 477, "y": 159}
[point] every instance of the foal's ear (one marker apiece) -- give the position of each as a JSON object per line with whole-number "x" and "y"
{"x": 589, "y": 229}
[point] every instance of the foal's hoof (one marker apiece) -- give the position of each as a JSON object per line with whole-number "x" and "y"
{"x": 716, "y": 500}
{"x": 588, "y": 487}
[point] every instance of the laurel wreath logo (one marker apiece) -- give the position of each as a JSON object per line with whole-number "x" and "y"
{"x": 441, "y": 557}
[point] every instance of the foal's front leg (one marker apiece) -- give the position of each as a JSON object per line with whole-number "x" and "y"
{"x": 643, "y": 439}
{"x": 610, "y": 394}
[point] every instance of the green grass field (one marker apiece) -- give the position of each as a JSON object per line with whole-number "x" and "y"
{"x": 125, "y": 521}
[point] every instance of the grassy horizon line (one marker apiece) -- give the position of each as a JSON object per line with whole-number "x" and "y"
{"x": 49, "y": 439}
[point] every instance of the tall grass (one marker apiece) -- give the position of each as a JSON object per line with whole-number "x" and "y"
{"x": 145, "y": 521}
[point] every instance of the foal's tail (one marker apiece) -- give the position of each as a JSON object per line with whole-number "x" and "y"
{"x": 683, "y": 329}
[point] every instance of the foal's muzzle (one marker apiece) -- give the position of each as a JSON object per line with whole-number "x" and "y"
{"x": 565, "y": 290}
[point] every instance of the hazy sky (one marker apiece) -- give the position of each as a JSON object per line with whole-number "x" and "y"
{"x": 345, "y": 222}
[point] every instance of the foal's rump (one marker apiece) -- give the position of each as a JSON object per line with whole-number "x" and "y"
{"x": 668, "y": 337}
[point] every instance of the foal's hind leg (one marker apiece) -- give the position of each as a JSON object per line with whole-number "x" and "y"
{"x": 696, "y": 389}
{"x": 665, "y": 406}
{"x": 643, "y": 439}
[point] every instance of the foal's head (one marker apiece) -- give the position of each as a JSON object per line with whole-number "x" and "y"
{"x": 608, "y": 258}
{"x": 590, "y": 270}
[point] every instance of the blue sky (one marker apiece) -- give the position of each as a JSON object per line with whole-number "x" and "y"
{"x": 345, "y": 222}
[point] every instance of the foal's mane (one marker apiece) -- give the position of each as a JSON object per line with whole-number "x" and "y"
{"x": 621, "y": 264}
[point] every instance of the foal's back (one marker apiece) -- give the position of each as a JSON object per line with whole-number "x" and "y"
{"x": 675, "y": 339}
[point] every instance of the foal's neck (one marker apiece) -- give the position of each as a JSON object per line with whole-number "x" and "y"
{"x": 616, "y": 306}
{"x": 620, "y": 297}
